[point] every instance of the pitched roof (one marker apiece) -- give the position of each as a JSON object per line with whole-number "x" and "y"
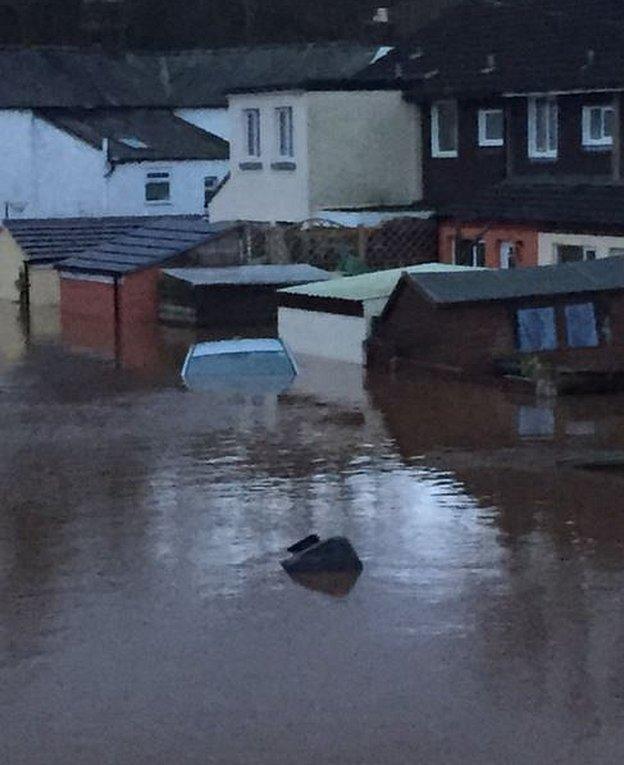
{"x": 377, "y": 284}
{"x": 139, "y": 134}
{"x": 144, "y": 247}
{"x": 50, "y": 239}
{"x": 295, "y": 273}
{"x": 66, "y": 78}
{"x": 578, "y": 205}
{"x": 472, "y": 286}
{"x": 483, "y": 47}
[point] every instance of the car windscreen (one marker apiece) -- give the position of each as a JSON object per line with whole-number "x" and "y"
{"x": 236, "y": 365}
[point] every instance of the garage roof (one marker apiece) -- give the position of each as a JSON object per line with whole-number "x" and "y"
{"x": 145, "y": 247}
{"x": 297, "y": 273}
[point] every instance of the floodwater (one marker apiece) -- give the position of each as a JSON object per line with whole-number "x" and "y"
{"x": 144, "y": 617}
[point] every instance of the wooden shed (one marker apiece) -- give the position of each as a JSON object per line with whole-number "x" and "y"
{"x": 565, "y": 319}
{"x": 231, "y": 296}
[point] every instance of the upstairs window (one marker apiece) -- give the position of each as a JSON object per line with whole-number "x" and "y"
{"x": 444, "y": 129}
{"x": 210, "y": 186}
{"x": 598, "y": 125}
{"x": 284, "y": 132}
{"x": 470, "y": 253}
{"x": 543, "y": 128}
{"x": 574, "y": 253}
{"x": 158, "y": 187}
{"x": 491, "y": 127}
{"x": 581, "y": 328}
{"x": 251, "y": 132}
{"x": 536, "y": 329}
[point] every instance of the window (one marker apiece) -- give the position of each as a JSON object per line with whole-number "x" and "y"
{"x": 444, "y": 129}
{"x": 491, "y": 127}
{"x": 598, "y": 126}
{"x": 581, "y": 331}
{"x": 543, "y": 119}
{"x": 615, "y": 252}
{"x": 284, "y": 132}
{"x": 158, "y": 187}
{"x": 251, "y": 124}
{"x": 536, "y": 329}
{"x": 210, "y": 185}
{"x": 574, "y": 253}
{"x": 470, "y": 253}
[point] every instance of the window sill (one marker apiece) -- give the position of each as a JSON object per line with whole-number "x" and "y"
{"x": 445, "y": 155}
{"x": 494, "y": 145}
{"x": 598, "y": 147}
{"x": 283, "y": 165}
{"x": 251, "y": 165}
{"x": 158, "y": 203}
{"x": 542, "y": 159}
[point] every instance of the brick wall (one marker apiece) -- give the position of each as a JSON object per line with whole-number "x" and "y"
{"x": 524, "y": 237}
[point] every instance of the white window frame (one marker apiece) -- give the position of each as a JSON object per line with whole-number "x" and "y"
{"x": 436, "y": 151}
{"x": 284, "y": 143}
{"x": 253, "y": 148}
{"x": 604, "y": 140}
{"x": 158, "y": 175}
{"x": 586, "y": 248}
{"x": 474, "y": 253}
{"x": 534, "y": 152}
{"x": 482, "y": 125}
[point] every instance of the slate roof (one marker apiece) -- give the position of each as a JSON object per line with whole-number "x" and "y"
{"x": 144, "y": 247}
{"x": 296, "y": 273}
{"x": 65, "y": 78}
{"x": 483, "y": 47}
{"x": 155, "y": 134}
{"x": 474, "y": 286}
{"x": 576, "y": 205}
{"x": 50, "y": 239}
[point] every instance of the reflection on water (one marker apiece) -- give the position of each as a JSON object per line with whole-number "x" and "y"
{"x": 144, "y": 616}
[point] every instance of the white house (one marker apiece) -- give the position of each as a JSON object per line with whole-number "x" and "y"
{"x": 303, "y": 153}
{"x": 69, "y": 163}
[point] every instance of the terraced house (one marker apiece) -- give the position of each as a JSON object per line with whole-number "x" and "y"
{"x": 521, "y": 129}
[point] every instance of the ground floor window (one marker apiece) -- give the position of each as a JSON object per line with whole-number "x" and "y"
{"x": 581, "y": 329}
{"x": 537, "y": 329}
{"x": 158, "y": 187}
{"x": 574, "y": 253}
{"x": 469, "y": 252}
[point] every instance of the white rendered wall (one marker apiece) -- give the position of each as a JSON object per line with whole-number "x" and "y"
{"x": 125, "y": 187}
{"x": 326, "y": 335}
{"x": 265, "y": 194}
{"x": 16, "y": 150}
{"x": 546, "y": 243}
{"x": 364, "y": 149}
{"x": 212, "y": 120}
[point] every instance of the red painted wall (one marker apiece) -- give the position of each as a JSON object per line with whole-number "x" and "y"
{"x": 138, "y": 299}
{"x": 524, "y": 237}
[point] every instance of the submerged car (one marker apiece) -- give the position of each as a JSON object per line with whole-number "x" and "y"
{"x": 258, "y": 365}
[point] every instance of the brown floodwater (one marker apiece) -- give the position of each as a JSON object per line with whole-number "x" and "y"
{"x": 144, "y": 616}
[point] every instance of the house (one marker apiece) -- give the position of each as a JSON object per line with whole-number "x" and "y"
{"x": 132, "y": 133}
{"x": 116, "y": 281}
{"x": 521, "y": 128}
{"x": 232, "y": 296}
{"x": 30, "y": 248}
{"x": 333, "y": 319}
{"x": 567, "y": 317}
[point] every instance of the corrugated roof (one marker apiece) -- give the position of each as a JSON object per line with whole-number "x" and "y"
{"x": 377, "y": 284}
{"x": 136, "y": 135}
{"x": 296, "y": 273}
{"x": 145, "y": 247}
{"x": 475, "y": 285}
{"x": 49, "y": 239}
{"x": 65, "y": 78}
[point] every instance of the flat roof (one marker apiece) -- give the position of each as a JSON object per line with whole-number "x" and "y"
{"x": 377, "y": 284}
{"x": 297, "y": 273}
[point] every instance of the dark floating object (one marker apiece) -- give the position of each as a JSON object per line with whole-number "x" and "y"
{"x": 302, "y": 544}
{"x": 334, "y": 554}
{"x": 334, "y": 583}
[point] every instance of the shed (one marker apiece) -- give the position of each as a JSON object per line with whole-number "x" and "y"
{"x": 232, "y": 296}
{"x": 568, "y": 318}
{"x": 117, "y": 280}
{"x": 332, "y": 319}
